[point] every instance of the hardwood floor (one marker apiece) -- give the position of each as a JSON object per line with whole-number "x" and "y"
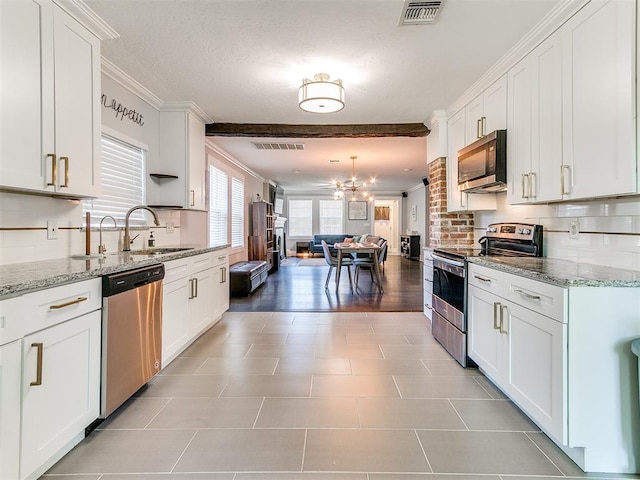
{"x": 295, "y": 287}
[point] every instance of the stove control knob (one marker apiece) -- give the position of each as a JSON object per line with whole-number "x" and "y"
{"x": 525, "y": 231}
{"x": 492, "y": 230}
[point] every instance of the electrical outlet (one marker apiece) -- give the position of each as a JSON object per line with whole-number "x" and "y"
{"x": 52, "y": 230}
{"x": 574, "y": 230}
{"x": 169, "y": 227}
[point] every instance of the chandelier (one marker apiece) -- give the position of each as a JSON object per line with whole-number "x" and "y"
{"x": 343, "y": 188}
{"x": 321, "y": 95}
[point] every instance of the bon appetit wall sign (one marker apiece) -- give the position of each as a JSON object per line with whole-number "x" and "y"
{"x": 121, "y": 111}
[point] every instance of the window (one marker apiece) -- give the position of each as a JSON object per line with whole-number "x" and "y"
{"x": 237, "y": 212}
{"x": 331, "y": 216}
{"x": 300, "y": 218}
{"x": 122, "y": 170}
{"x": 218, "y": 207}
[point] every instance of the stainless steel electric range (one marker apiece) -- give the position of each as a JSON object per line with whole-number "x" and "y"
{"x": 449, "y": 322}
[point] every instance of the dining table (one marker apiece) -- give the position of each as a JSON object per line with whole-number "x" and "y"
{"x": 349, "y": 248}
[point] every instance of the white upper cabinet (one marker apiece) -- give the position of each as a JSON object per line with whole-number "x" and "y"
{"x": 182, "y": 154}
{"x": 599, "y": 145}
{"x": 534, "y": 126}
{"x": 50, "y": 101}
{"x": 487, "y": 112}
{"x": 457, "y": 200}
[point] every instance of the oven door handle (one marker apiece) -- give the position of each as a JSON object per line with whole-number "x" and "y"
{"x": 448, "y": 260}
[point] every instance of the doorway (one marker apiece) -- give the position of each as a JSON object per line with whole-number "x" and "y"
{"x": 386, "y": 222}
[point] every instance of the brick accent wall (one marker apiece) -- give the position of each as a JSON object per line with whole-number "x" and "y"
{"x": 446, "y": 229}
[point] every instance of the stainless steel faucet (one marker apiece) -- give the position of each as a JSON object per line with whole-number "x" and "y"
{"x": 101, "y": 247}
{"x": 126, "y": 241}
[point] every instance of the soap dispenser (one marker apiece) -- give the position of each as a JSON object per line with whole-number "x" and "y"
{"x": 152, "y": 241}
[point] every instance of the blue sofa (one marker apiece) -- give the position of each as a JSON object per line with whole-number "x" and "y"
{"x": 315, "y": 244}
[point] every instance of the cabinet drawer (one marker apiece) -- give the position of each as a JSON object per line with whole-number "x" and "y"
{"x": 548, "y": 300}
{"x": 427, "y": 286}
{"x": 220, "y": 258}
{"x": 202, "y": 262}
{"x": 34, "y": 311}
{"x": 176, "y": 269}
{"x": 485, "y": 278}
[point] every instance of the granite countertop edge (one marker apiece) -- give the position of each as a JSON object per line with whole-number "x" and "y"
{"x": 562, "y": 273}
{"x": 22, "y": 278}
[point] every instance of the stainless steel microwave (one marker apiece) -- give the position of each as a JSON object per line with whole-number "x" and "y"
{"x": 482, "y": 166}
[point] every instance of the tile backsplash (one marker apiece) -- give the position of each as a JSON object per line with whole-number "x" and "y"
{"x": 23, "y": 234}
{"x": 609, "y": 229}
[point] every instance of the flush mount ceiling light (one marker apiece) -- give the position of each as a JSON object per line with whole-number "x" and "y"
{"x": 321, "y": 95}
{"x": 343, "y": 188}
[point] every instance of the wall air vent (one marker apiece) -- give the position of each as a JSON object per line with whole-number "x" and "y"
{"x": 278, "y": 146}
{"x": 420, "y": 13}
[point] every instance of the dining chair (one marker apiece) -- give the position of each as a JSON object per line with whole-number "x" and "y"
{"x": 367, "y": 263}
{"x": 332, "y": 261}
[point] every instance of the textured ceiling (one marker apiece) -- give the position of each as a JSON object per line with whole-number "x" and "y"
{"x": 242, "y": 61}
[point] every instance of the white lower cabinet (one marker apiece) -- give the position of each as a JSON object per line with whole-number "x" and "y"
{"x": 563, "y": 356}
{"x": 427, "y": 283}
{"x": 195, "y": 295}
{"x": 49, "y": 375}
{"x": 522, "y": 351}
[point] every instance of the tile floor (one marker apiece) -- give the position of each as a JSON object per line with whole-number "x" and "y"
{"x": 316, "y": 396}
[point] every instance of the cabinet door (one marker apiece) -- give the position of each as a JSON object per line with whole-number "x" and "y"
{"x": 598, "y": 93}
{"x": 77, "y": 108}
{"x": 484, "y": 340}
{"x": 494, "y": 116}
{"x": 175, "y": 318}
{"x": 10, "y": 382}
{"x": 26, "y": 48}
{"x": 197, "y": 167}
{"x": 221, "y": 301}
{"x": 473, "y": 113}
{"x": 202, "y": 292}
{"x": 536, "y": 367}
{"x": 68, "y": 397}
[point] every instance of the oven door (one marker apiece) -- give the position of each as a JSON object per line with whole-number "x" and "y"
{"x": 448, "y": 282}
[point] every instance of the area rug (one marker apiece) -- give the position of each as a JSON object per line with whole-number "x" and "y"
{"x": 312, "y": 262}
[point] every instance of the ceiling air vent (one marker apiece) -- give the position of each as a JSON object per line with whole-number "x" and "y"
{"x": 420, "y": 13}
{"x": 278, "y": 146}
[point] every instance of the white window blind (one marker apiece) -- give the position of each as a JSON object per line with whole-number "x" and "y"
{"x": 331, "y": 216}
{"x": 237, "y": 212}
{"x": 300, "y": 219}
{"x": 122, "y": 170}
{"x": 218, "y": 200}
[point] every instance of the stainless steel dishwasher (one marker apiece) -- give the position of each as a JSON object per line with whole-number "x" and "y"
{"x": 131, "y": 333}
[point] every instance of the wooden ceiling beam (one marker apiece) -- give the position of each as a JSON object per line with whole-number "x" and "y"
{"x": 268, "y": 130}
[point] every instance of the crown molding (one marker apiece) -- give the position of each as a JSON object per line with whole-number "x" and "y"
{"x": 116, "y": 74}
{"x": 187, "y": 106}
{"x": 543, "y": 29}
{"x": 416, "y": 187}
{"x": 88, "y": 18}
{"x": 208, "y": 143}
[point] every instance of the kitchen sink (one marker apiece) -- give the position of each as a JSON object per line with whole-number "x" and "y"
{"x": 159, "y": 250}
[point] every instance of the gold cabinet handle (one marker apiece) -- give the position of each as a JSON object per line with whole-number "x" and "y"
{"x": 483, "y": 126}
{"x": 562, "y": 179}
{"x": 54, "y": 169}
{"x": 522, "y": 183}
{"x": 193, "y": 197}
{"x": 482, "y": 279}
{"x": 502, "y": 330}
{"x": 528, "y": 295}
{"x": 532, "y": 185}
{"x": 40, "y": 348}
{"x": 223, "y": 276}
{"x": 67, "y": 304}
{"x": 191, "y": 289}
{"x": 478, "y": 127}
{"x": 195, "y": 288}
{"x": 66, "y": 172}
{"x": 497, "y": 320}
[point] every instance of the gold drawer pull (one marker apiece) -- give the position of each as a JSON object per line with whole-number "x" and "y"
{"x": 68, "y": 304}
{"x": 66, "y": 172}
{"x": 38, "y": 381}
{"x": 54, "y": 169}
{"x": 528, "y": 295}
{"x": 497, "y": 320}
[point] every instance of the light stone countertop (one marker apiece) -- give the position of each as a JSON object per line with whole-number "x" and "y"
{"x": 20, "y": 278}
{"x": 563, "y": 273}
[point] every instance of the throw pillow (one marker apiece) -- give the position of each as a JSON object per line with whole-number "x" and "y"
{"x": 348, "y": 240}
{"x": 372, "y": 239}
{"x": 357, "y": 238}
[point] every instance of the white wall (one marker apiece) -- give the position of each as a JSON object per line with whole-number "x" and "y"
{"x": 609, "y": 229}
{"x": 416, "y": 199}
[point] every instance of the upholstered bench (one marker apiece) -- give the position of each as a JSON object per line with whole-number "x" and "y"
{"x": 247, "y": 276}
